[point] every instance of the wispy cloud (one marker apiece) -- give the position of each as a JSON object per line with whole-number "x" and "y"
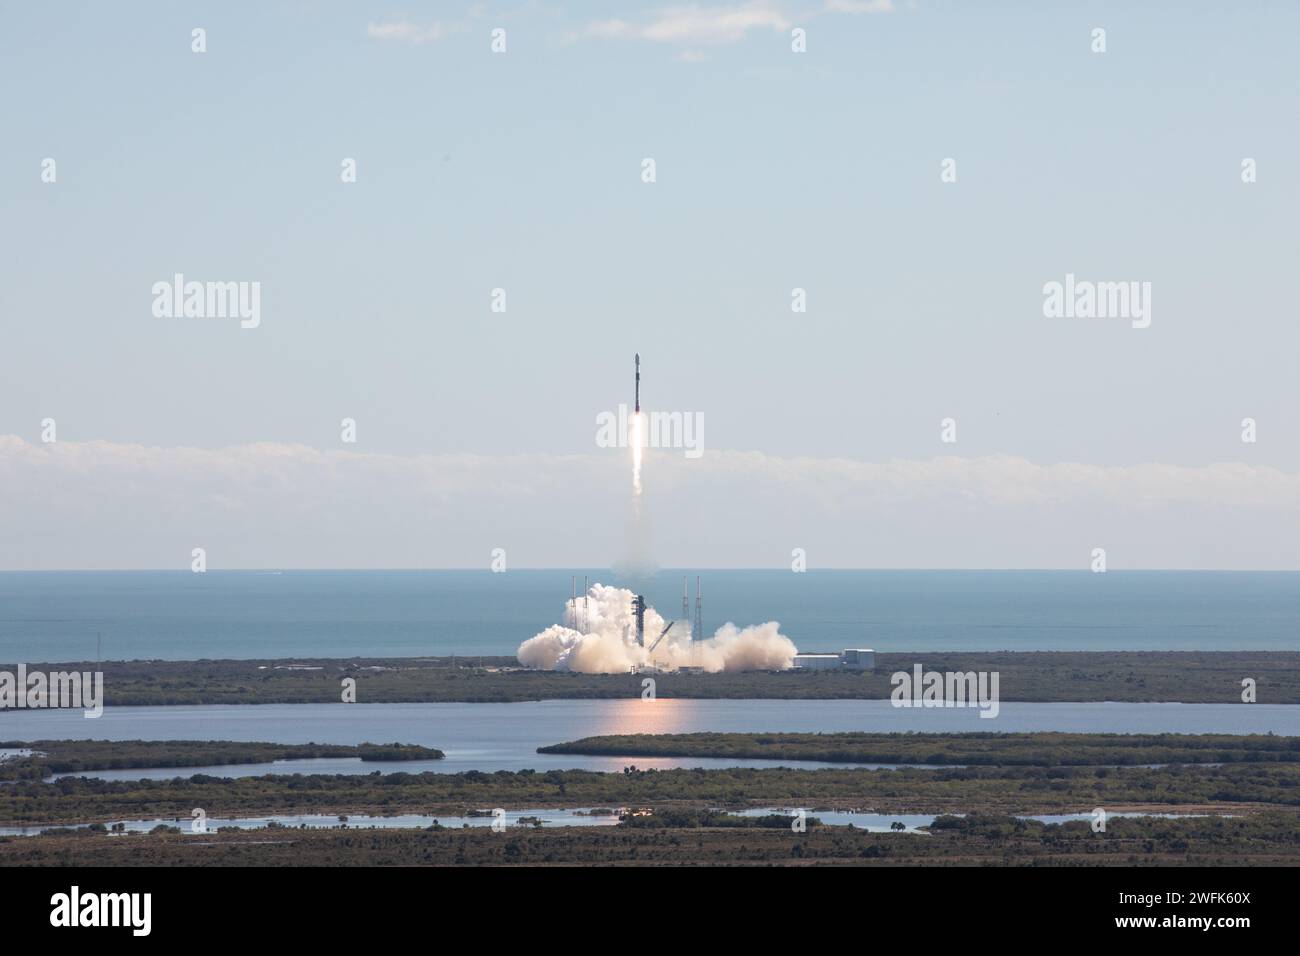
{"x": 688, "y": 25}
{"x": 714, "y": 25}
{"x": 694, "y": 24}
{"x": 105, "y": 505}
{"x": 859, "y": 6}
{"x": 403, "y": 31}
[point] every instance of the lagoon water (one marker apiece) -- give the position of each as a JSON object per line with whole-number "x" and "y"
{"x": 176, "y": 615}
{"x": 490, "y": 737}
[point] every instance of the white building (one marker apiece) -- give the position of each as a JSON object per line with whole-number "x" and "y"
{"x": 853, "y": 658}
{"x": 817, "y": 662}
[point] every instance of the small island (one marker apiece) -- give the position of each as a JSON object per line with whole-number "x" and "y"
{"x": 45, "y": 758}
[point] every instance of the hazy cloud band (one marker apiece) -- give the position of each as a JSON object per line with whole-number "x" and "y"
{"x": 104, "y": 505}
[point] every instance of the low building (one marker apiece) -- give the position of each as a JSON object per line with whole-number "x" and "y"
{"x": 859, "y": 658}
{"x": 853, "y": 658}
{"x": 817, "y": 662}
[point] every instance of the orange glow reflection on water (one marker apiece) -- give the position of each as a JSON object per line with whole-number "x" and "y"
{"x": 659, "y": 716}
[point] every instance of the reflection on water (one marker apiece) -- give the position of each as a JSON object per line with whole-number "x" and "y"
{"x": 862, "y": 820}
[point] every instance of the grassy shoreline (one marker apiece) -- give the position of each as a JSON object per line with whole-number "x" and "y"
{"x": 1031, "y": 676}
{"x": 51, "y": 757}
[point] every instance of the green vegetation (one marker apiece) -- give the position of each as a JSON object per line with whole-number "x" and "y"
{"x": 1235, "y": 788}
{"x": 680, "y": 818}
{"x": 1190, "y": 677}
{"x": 969, "y": 749}
{"x": 72, "y": 756}
{"x": 1265, "y": 839}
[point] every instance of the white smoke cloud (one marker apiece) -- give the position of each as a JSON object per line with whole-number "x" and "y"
{"x": 608, "y": 645}
{"x": 757, "y": 647}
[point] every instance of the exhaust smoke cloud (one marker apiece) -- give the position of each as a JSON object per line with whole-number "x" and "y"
{"x": 608, "y": 644}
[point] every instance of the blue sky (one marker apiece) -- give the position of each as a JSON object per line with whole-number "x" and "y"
{"x": 775, "y": 170}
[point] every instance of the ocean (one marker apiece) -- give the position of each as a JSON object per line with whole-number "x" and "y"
{"x": 177, "y": 615}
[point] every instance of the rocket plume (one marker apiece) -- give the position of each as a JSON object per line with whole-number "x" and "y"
{"x": 635, "y": 440}
{"x": 607, "y": 645}
{"x": 637, "y": 564}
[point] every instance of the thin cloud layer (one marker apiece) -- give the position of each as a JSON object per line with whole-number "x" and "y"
{"x": 106, "y": 505}
{"x": 859, "y": 6}
{"x": 693, "y": 24}
{"x": 714, "y": 25}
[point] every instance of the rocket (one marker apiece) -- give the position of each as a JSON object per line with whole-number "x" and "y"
{"x": 638, "y": 383}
